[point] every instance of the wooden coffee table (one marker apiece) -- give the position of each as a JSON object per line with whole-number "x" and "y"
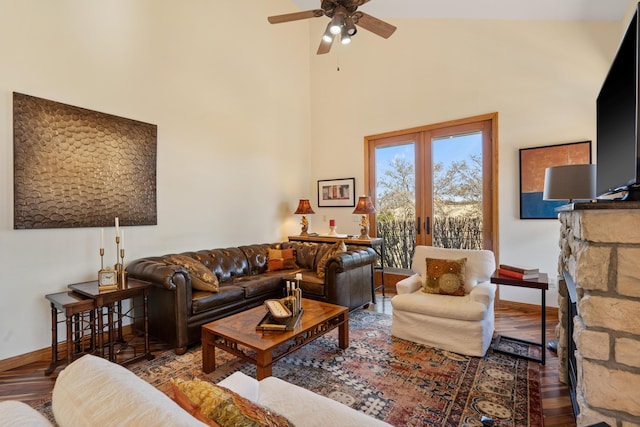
{"x": 237, "y": 335}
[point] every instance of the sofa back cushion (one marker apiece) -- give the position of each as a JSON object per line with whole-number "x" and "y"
{"x": 305, "y": 253}
{"x": 226, "y": 263}
{"x": 257, "y": 257}
{"x": 479, "y": 267}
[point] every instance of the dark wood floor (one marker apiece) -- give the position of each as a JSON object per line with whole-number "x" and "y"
{"x": 29, "y": 384}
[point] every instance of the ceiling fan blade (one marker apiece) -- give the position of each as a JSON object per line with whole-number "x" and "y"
{"x": 375, "y": 25}
{"x": 324, "y": 47}
{"x": 288, "y": 17}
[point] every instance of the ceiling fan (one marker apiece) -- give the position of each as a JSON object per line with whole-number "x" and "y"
{"x": 344, "y": 16}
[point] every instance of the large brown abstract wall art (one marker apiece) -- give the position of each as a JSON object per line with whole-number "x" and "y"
{"x": 75, "y": 167}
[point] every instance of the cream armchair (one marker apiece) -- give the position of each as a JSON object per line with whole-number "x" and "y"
{"x": 461, "y": 324}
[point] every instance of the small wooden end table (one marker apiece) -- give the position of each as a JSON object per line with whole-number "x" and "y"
{"x": 79, "y": 314}
{"x": 542, "y": 283}
{"x": 237, "y": 335}
{"x": 111, "y": 300}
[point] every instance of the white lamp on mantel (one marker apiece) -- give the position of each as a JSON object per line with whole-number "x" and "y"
{"x": 570, "y": 182}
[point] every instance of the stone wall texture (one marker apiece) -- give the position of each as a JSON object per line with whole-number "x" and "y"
{"x": 600, "y": 250}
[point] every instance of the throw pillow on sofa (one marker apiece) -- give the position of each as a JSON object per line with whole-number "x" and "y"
{"x": 223, "y": 406}
{"x": 202, "y": 278}
{"x": 336, "y": 248}
{"x": 445, "y": 276}
{"x": 281, "y": 259}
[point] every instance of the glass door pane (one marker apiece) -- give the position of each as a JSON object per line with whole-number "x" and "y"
{"x": 395, "y": 196}
{"x": 457, "y": 185}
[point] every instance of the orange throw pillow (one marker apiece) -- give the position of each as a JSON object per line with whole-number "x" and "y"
{"x": 281, "y": 259}
{"x": 223, "y": 407}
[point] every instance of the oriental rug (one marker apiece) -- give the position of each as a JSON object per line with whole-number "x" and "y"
{"x": 400, "y": 382}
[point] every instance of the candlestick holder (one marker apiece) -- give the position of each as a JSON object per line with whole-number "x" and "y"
{"x": 117, "y": 266}
{"x": 122, "y": 276}
{"x": 298, "y": 295}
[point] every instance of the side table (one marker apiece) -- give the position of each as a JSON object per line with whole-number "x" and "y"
{"x": 79, "y": 314}
{"x": 111, "y": 301}
{"x": 542, "y": 283}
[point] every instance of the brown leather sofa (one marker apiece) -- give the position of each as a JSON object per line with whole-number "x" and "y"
{"x": 176, "y": 311}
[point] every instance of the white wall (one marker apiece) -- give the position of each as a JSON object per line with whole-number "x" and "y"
{"x": 541, "y": 77}
{"x": 247, "y": 113}
{"x": 229, "y": 93}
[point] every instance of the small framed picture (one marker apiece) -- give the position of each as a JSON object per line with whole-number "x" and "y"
{"x": 337, "y": 193}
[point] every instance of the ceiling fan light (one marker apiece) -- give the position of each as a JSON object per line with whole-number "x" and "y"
{"x": 327, "y": 37}
{"x": 336, "y": 24}
{"x": 350, "y": 25}
{"x": 345, "y": 39}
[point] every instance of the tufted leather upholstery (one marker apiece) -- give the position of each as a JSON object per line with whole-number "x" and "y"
{"x": 176, "y": 312}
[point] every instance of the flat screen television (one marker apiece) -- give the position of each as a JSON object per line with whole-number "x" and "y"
{"x": 617, "y": 140}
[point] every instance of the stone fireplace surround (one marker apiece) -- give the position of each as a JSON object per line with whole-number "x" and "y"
{"x": 600, "y": 255}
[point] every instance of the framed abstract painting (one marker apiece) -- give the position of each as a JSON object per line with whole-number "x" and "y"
{"x": 533, "y": 162}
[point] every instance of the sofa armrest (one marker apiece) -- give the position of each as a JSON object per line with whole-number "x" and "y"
{"x": 246, "y": 386}
{"x": 170, "y": 301}
{"x": 483, "y": 292}
{"x": 348, "y": 277}
{"x": 92, "y": 391}
{"x": 19, "y": 414}
{"x": 158, "y": 273}
{"x": 350, "y": 260}
{"x": 409, "y": 284}
{"x": 305, "y": 408}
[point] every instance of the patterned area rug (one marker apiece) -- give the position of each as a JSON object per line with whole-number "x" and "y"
{"x": 403, "y": 383}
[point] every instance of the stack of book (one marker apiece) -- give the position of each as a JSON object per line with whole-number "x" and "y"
{"x": 521, "y": 273}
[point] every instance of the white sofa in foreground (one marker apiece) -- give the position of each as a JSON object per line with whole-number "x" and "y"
{"x": 92, "y": 391}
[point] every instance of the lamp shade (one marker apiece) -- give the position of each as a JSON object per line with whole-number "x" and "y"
{"x": 570, "y": 182}
{"x": 304, "y": 207}
{"x": 364, "y": 206}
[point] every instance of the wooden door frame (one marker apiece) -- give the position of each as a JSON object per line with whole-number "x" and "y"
{"x": 490, "y": 186}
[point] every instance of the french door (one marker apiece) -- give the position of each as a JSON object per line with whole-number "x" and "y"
{"x": 434, "y": 185}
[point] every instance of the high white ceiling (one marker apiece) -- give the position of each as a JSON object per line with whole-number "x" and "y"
{"x": 565, "y": 10}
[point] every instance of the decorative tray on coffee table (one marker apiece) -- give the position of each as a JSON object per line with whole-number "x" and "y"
{"x": 268, "y": 323}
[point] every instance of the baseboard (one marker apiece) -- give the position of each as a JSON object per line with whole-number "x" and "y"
{"x": 42, "y": 355}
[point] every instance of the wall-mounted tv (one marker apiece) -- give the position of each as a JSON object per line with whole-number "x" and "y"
{"x": 617, "y": 122}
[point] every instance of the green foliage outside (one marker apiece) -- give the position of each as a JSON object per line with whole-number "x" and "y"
{"x": 457, "y": 208}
